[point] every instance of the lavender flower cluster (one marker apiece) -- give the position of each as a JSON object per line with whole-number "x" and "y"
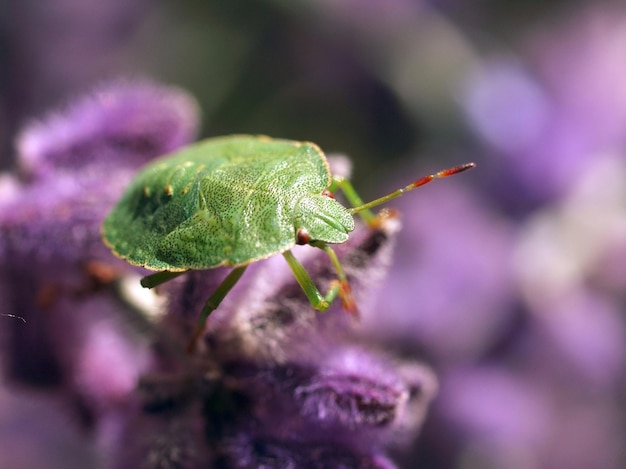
{"x": 273, "y": 385}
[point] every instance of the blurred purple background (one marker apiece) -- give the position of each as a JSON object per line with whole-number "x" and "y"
{"x": 507, "y": 283}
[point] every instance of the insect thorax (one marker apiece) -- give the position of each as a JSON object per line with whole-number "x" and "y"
{"x": 323, "y": 218}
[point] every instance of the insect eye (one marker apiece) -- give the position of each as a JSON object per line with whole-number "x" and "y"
{"x": 302, "y": 236}
{"x": 328, "y": 193}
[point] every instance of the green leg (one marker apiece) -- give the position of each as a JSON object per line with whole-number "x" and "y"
{"x": 159, "y": 278}
{"x": 339, "y": 287}
{"x": 317, "y": 300}
{"x": 213, "y": 302}
{"x": 353, "y": 198}
{"x": 345, "y": 292}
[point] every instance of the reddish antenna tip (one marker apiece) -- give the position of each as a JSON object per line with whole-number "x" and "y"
{"x": 454, "y": 170}
{"x": 460, "y": 168}
{"x": 441, "y": 174}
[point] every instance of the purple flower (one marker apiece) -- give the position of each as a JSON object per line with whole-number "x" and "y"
{"x": 54, "y": 269}
{"x": 273, "y": 382}
{"x": 119, "y": 126}
{"x": 296, "y": 379}
{"x": 76, "y": 164}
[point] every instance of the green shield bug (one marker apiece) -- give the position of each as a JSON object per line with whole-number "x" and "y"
{"x": 231, "y": 201}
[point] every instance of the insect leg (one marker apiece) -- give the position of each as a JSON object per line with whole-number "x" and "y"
{"x": 339, "y": 287}
{"x": 345, "y": 292}
{"x": 213, "y": 302}
{"x": 317, "y": 300}
{"x": 159, "y": 278}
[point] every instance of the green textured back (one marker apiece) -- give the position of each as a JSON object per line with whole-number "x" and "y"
{"x": 224, "y": 201}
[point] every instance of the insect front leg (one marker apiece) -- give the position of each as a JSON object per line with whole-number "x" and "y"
{"x": 339, "y": 287}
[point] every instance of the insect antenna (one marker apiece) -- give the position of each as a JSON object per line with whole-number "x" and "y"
{"x": 414, "y": 185}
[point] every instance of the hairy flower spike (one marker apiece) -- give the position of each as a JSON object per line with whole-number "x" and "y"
{"x": 349, "y": 399}
{"x": 273, "y": 383}
{"x": 89, "y": 154}
{"x": 121, "y": 124}
{"x": 352, "y": 387}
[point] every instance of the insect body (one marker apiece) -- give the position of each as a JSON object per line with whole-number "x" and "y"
{"x": 231, "y": 201}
